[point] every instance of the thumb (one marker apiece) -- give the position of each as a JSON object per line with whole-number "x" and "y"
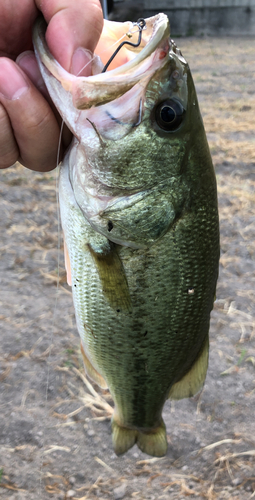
{"x": 72, "y": 26}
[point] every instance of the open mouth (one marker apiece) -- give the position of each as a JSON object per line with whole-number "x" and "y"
{"x": 130, "y": 65}
{"x": 153, "y": 31}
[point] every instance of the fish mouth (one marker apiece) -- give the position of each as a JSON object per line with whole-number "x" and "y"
{"x": 130, "y": 66}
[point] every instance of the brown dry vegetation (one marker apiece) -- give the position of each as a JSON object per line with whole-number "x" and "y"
{"x": 55, "y": 438}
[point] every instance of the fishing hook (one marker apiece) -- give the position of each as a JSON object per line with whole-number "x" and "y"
{"x": 141, "y": 24}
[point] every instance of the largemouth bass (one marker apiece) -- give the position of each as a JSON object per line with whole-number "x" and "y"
{"x": 139, "y": 214}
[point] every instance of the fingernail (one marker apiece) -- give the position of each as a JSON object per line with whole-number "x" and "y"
{"x": 81, "y": 62}
{"x": 27, "y": 62}
{"x": 12, "y": 82}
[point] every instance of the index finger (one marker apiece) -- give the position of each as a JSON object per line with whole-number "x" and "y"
{"x": 71, "y": 25}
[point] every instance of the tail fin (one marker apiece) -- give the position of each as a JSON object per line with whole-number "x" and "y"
{"x": 152, "y": 442}
{"x": 122, "y": 438}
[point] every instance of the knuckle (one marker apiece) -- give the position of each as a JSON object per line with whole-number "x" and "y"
{"x": 8, "y": 160}
{"x": 37, "y": 122}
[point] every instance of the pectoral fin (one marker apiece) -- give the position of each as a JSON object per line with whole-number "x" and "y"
{"x": 193, "y": 381}
{"x": 113, "y": 278}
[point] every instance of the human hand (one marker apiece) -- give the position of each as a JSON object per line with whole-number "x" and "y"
{"x": 29, "y": 123}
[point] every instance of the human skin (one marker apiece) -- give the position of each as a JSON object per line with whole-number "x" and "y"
{"x": 29, "y": 123}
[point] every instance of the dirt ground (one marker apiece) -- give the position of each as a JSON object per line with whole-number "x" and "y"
{"x": 55, "y": 440}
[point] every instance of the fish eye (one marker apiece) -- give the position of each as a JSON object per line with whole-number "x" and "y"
{"x": 169, "y": 114}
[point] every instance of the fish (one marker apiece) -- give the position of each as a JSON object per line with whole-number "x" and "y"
{"x": 138, "y": 205}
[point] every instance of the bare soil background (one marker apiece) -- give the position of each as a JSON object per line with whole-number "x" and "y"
{"x": 55, "y": 440}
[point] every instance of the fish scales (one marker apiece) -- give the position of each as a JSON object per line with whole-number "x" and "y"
{"x": 139, "y": 214}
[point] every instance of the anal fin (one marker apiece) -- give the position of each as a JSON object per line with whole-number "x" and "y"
{"x": 91, "y": 371}
{"x": 193, "y": 381}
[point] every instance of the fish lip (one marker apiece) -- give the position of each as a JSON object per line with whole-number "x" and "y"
{"x": 104, "y": 87}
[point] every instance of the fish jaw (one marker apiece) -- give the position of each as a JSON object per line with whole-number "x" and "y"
{"x": 104, "y": 87}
